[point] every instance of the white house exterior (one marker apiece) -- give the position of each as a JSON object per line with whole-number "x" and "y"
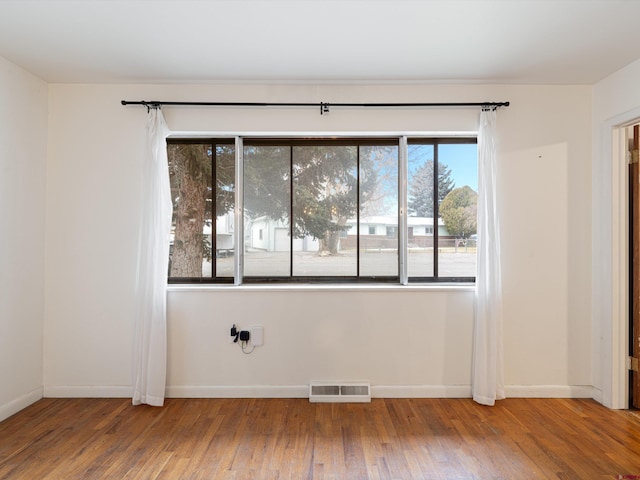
{"x": 270, "y": 235}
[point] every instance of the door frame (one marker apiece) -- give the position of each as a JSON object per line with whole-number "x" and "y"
{"x": 610, "y": 277}
{"x": 633, "y": 142}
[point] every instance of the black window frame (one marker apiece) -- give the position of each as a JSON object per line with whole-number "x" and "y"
{"x": 332, "y": 141}
{"x": 436, "y": 142}
{"x": 214, "y": 278}
{"x": 324, "y": 141}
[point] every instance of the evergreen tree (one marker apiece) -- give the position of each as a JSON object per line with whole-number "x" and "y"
{"x": 325, "y": 187}
{"x": 190, "y": 174}
{"x": 420, "y": 201}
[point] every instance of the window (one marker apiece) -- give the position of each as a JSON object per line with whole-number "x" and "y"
{"x": 392, "y": 232}
{"x": 322, "y": 210}
{"x": 201, "y": 249}
{"x": 310, "y": 196}
{"x": 442, "y": 199}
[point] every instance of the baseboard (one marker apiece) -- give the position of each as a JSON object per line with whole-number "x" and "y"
{"x": 14, "y": 406}
{"x": 464, "y": 391}
{"x": 249, "y": 391}
{"x": 420, "y": 391}
{"x": 302, "y": 391}
{"x": 88, "y": 391}
{"x": 549, "y": 391}
{"x": 597, "y": 394}
{"x": 377, "y": 391}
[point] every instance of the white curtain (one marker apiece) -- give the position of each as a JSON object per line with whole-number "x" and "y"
{"x": 150, "y": 341}
{"x": 488, "y": 374}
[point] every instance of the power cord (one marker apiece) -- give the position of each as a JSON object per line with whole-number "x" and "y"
{"x": 243, "y": 336}
{"x": 244, "y": 345}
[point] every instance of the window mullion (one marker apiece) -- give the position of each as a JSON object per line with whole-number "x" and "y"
{"x": 436, "y": 224}
{"x": 403, "y": 229}
{"x": 291, "y": 218}
{"x": 214, "y": 210}
{"x": 238, "y": 257}
{"x": 358, "y": 210}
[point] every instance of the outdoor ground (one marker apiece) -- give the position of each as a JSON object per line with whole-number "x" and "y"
{"x": 372, "y": 263}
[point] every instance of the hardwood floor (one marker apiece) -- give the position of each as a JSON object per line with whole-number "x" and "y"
{"x": 292, "y": 438}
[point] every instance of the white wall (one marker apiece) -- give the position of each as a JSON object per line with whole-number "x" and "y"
{"x": 23, "y": 141}
{"x": 405, "y": 341}
{"x": 616, "y": 102}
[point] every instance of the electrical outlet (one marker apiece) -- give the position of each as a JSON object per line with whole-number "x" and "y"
{"x": 257, "y": 335}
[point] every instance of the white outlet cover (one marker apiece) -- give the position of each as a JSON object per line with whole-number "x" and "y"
{"x": 256, "y": 335}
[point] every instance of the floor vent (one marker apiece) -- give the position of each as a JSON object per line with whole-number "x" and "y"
{"x": 340, "y": 392}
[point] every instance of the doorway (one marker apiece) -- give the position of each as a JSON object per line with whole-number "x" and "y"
{"x": 634, "y": 265}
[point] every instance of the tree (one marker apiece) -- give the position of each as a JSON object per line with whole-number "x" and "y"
{"x": 459, "y": 212}
{"x": 420, "y": 201}
{"x": 381, "y": 189}
{"x": 267, "y": 173}
{"x": 225, "y": 170}
{"x": 190, "y": 174}
{"x": 325, "y": 182}
{"x": 325, "y": 188}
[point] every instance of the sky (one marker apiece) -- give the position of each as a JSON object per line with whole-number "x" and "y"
{"x": 462, "y": 159}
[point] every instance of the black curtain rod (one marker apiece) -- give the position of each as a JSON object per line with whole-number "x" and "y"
{"x": 324, "y": 107}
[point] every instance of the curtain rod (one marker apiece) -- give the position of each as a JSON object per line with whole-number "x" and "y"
{"x": 324, "y": 107}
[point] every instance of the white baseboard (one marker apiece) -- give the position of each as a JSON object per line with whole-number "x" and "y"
{"x": 249, "y": 391}
{"x": 302, "y": 391}
{"x": 420, "y": 391}
{"x": 597, "y": 394}
{"x": 378, "y": 391}
{"x": 464, "y": 391}
{"x": 88, "y": 391}
{"x": 549, "y": 391}
{"x": 14, "y": 406}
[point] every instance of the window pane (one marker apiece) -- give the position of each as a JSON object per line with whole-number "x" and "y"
{"x": 266, "y": 210}
{"x": 191, "y": 191}
{"x": 458, "y": 210}
{"x": 324, "y": 200}
{"x": 420, "y": 210}
{"x": 225, "y": 226}
{"x": 378, "y": 211}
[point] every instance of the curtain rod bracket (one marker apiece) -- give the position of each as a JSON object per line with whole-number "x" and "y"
{"x": 324, "y": 108}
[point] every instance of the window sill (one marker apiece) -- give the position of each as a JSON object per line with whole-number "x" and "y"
{"x": 424, "y": 287}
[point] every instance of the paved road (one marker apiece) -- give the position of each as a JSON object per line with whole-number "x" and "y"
{"x": 259, "y": 263}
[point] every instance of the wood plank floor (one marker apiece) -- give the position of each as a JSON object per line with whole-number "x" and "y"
{"x": 294, "y": 439}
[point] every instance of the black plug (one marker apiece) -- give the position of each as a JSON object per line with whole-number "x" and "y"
{"x": 234, "y": 333}
{"x": 244, "y": 336}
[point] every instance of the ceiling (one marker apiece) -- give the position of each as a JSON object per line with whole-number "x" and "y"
{"x": 321, "y": 41}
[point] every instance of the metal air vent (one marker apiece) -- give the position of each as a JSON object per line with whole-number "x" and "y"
{"x": 359, "y": 392}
